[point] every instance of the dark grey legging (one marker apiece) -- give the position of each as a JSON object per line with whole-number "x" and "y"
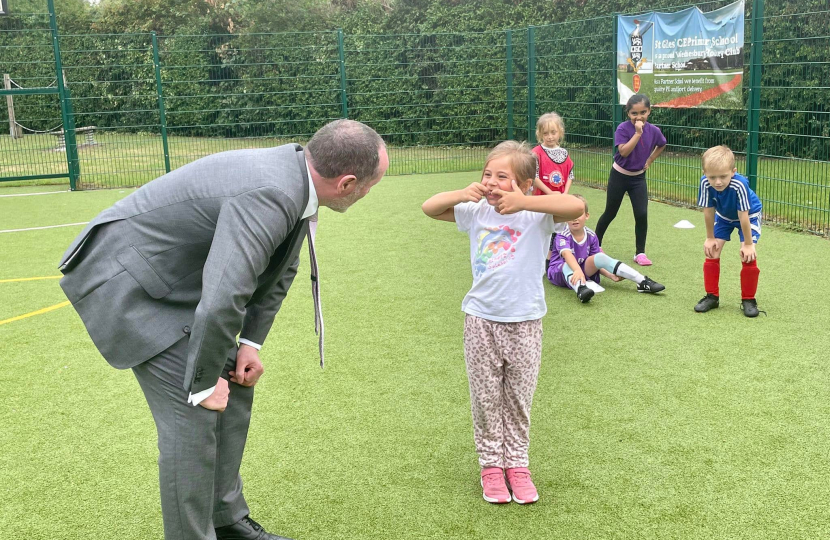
{"x": 618, "y": 185}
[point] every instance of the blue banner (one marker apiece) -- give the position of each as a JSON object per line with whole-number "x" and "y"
{"x": 683, "y": 59}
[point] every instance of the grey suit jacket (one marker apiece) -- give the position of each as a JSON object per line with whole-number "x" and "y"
{"x": 208, "y": 250}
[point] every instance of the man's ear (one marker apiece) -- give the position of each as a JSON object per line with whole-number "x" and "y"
{"x": 346, "y": 184}
{"x": 735, "y": 170}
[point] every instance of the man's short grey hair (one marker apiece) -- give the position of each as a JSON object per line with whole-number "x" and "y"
{"x": 345, "y": 147}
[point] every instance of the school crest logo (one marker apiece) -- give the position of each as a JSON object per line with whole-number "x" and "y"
{"x": 635, "y": 50}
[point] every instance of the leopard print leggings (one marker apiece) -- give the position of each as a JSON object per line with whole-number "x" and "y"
{"x": 503, "y": 362}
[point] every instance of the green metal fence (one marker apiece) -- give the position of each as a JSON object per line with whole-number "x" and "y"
{"x": 35, "y": 96}
{"x": 137, "y": 105}
{"x": 793, "y": 108}
{"x": 224, "y": 92}
{"x": 439, "y": 100}
{"x": 116, "y": 112}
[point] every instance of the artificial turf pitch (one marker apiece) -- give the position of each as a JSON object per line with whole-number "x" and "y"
{"x": 649, "y": 421}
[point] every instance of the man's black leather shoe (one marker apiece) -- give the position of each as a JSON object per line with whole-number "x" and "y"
{"x": 246, "y": 529}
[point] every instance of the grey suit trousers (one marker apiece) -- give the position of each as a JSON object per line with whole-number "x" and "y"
{"x": 200, "y": 450}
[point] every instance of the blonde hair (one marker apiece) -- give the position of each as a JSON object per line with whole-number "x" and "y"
{"x": 546, "y": 120}
{"x": 583, "y": 199}
{"x": 521, "y": 157}
{"x": 718, "y": 156}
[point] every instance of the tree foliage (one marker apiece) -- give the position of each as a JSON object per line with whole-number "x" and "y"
{"x": 421, "y": 71}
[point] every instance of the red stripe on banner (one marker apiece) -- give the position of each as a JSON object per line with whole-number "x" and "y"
{"x": 696, "y": 99}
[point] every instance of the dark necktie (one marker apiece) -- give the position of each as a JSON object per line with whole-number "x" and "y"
{"x": 315, "y": 284}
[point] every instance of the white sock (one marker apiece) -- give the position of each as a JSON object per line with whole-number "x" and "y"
{"x": 623, "y": 270}
{"x": 601, "y": 260}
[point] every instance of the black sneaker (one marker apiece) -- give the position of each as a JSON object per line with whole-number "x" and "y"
{"x": 650, "y": 286}
{"x": 710, "y": 301}
{"x": 750, "y": 308}
{"x": 584, "y": 294}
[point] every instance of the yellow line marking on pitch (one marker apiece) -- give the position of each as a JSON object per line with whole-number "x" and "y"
{"x": 29, "y": 279}
{"x": 38, "y": 312}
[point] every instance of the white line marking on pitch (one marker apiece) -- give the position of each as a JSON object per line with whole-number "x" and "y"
{"x": 41, "y": 193}
{"x": 48, "y": 227}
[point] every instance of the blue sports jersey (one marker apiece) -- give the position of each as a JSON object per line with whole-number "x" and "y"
{"x": 736, "y": 197}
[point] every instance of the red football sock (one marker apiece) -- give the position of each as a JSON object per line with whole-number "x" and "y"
{"x": 711, "y": 275}
{"x": 749, "y": 280}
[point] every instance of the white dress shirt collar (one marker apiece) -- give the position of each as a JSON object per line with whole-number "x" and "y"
{"x": 313, "y": 202}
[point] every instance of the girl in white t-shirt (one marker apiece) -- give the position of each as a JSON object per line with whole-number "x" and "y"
{"x": 509, "y": 234}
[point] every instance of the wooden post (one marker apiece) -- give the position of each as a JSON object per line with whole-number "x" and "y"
{"x": 14, "y": 129}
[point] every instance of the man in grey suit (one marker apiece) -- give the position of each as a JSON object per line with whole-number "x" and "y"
{"x": 167, "y": 278}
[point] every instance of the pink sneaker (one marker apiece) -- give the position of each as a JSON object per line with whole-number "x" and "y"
{"x": 642, "y": 260}
{"x": 524, "y": 492}
{"x": 495, "y": 490}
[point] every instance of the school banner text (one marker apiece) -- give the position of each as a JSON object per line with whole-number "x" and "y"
{"x": 683, "y": 59}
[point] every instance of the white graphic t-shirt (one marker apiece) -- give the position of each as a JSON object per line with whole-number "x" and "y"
{"x": 507, "y": 254}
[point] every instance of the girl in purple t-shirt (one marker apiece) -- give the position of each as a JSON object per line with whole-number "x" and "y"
{"x": 638, "y": 145}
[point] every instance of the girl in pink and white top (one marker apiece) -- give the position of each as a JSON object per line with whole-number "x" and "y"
{"x": 509, "y": 233}
{"x": 555, "y": 168}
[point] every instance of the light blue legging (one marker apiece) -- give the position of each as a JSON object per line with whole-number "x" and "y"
{"x": 601, "y": 261}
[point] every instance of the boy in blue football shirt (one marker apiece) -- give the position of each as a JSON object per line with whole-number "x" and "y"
{"x": 728, "y": 204}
